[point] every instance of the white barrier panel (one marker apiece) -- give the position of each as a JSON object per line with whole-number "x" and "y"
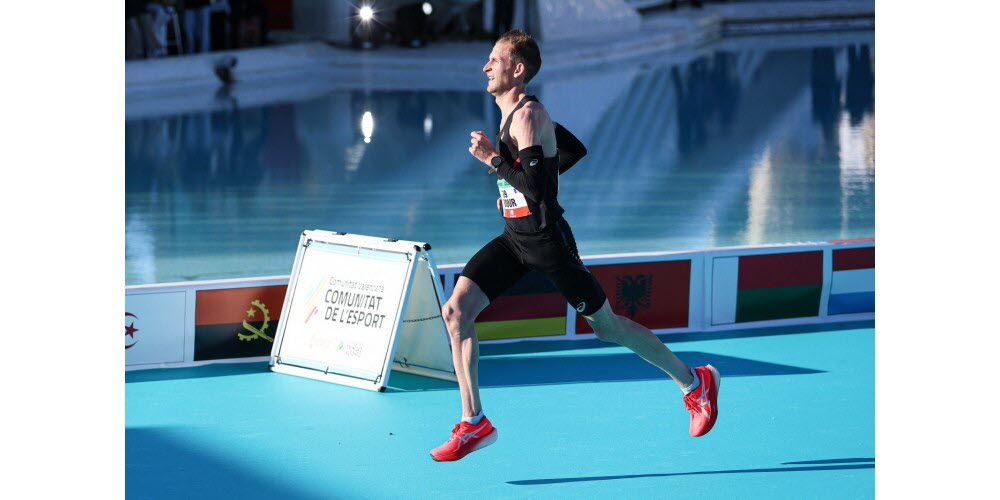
{"x": 352, "y": 301}
{"x": 726, "y": 289}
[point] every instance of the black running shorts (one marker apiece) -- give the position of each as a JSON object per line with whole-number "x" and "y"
{"x": 505, "y": 260}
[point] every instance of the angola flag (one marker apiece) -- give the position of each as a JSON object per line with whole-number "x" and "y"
{"x": 236, "y": 322}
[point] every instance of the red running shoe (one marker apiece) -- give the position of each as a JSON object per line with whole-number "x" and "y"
{"x": 465, "y": 438}
{"x": 702, "y": 402}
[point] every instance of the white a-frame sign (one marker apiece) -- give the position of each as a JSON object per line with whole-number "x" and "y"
{"x": 358, "y": 307}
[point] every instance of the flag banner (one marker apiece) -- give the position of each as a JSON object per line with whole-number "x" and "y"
{"x": 766, "y": 287}
{"x": 533, "y": 307}
{"x": 236, "y": 322}
{"x": 154, "y": 328}
{"x": 653, "y": 294}
{"x": 852, "y": 287}
{"x": 779, "y": 286}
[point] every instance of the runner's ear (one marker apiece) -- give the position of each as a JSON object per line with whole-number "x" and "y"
{"x": 519, "y": 69}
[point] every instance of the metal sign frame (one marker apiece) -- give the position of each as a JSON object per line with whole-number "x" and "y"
{"x": 419, "y": 260}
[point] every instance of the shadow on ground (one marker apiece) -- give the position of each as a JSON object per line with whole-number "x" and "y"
{"x": 574, "y": 369}
{"x": 842, "y": 464}
{"x": 160, "y": 462}
{"x": 204, "y": 371}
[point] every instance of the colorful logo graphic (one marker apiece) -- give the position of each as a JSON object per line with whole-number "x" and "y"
{"x": 130, "y": 330}
{"x": 251, "y": 315}
{"x": 633, "y": 292}
{"x": 314, "y": 297}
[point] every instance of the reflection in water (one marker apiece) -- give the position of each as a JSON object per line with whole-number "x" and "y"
{"x": 759, "y": 195}
{"x": 825, "y": 94}
{"x": 707, "y": 92}
{"x": 428, "y": 126}
{"x": 860, "y": 97}
{"x": 367, "y": 126}
{"x": 728, "y": 148}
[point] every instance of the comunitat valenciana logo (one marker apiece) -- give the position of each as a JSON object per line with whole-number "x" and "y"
{"x": 130, "y": 330}
{"x": 350, "y": 349}
{"x": 256, "y": 333}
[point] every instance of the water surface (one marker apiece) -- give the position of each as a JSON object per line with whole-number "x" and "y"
{"x": 739, "y": 144}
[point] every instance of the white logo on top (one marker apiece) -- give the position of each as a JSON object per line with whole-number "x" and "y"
{"x": 703, "y": 402}
{"x": 533, "y": 163}
{"x": 469, "y": 435}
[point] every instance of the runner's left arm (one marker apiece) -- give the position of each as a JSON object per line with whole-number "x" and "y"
{"x": 571, "y": 150}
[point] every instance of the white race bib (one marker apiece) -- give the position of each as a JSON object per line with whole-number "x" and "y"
{"x": 513, "y": 202}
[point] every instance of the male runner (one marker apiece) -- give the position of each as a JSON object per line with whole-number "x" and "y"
{"x": 536, "y": 237}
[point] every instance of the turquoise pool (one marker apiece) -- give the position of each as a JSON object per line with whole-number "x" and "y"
{"x": 741, "y": 143}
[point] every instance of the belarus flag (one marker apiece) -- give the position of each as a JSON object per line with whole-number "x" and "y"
{"x": 766, "y": 287}
{"x": 852, "y": 287}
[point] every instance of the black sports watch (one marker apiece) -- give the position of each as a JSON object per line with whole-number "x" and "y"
{"x": 496, "y": 161}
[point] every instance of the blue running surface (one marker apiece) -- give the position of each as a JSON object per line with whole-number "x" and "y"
{"x": 578, "y": 420}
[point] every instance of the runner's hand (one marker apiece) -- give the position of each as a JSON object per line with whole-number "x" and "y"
{"x": 481, "y": 147}
{"x": 498, "y": 204}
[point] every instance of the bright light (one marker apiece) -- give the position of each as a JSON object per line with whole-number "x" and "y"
{"x": 428, "y": 8}
{"x": 428, "y": 126}
{"x": 367, "y": 126}
{"x": 366, "y": 13}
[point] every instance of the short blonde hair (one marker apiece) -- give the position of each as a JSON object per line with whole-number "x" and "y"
{"x": 523, "y": 50}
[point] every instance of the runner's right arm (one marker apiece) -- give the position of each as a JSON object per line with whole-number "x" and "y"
{"x": 526, "y": 128}
{"x": 529, "y": 179}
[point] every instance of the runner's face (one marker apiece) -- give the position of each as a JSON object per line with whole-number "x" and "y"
{"x": 499, "y": 70}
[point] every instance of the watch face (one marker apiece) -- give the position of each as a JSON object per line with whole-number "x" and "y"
{"x": 496, "y": 161}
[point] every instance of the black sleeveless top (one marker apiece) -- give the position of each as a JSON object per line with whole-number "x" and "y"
{"x": 545, "y": 210}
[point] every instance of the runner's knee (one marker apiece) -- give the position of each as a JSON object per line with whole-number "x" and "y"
{"x": 607, "y": 329}
{"x": 606, "y": 324}
{"x": 456, "y": 320}
{"x": 607, "y": 335}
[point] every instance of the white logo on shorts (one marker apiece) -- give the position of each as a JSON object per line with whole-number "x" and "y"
{"x": 533, "y": 163}
{"x": 581, "y": 307}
